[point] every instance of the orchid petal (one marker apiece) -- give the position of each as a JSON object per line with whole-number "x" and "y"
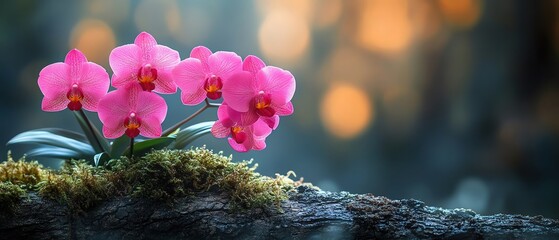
{"x": 189, "y": 77}
{"x": 165, "y": 83}
{"x": 58, "y": 103}
{"x": 53, "y": 80}
{"x": 151, "y": 127}
{"x": 152, "y": 105}
{"x": 280, "y": 84}
{"x": 253, "y": 64}
{"x": 201, "y": 53}
{"x": 224, "y": 64}
{"x": 125, "y": 62}
{"x": 239, "y": 91}
{"x": 237, "y": 147}
{"x": 94, "y": 84}
{"x": 284, "y": 110}
{"x": 219, "y": 130}
{"x": 146, "y": 43}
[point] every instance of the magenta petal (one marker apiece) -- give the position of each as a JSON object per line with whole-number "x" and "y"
{"x": 261, "y": 129}
{"x": 152, "y": 105}
{"x": 165, "y": 58}
{"x": 237, "y": 147}
{"x": 146, "y": 43}
{"x": 165, "y": 83}
{"x": 223, "y": 111}
{"x": 193, "y": 98}
{"x": 94, "y": 83}
{"x": 272, "y": 122}
{"x": 56, "y": 104}
{"x": 125, "y": 62}
{"x": 224, "y": 64}
{"x": 280, "y": 84}
{"x": 113, "y": 131}
{"x": 248, "y": 118}
{"x": 259, "y": 144}
{"x": 253, "y": 64}
{"x": 151, "y": 127}
{"x": 53, "y": 80}
{"x": 114, "y": 107}
{"x": 189, "y": 76}
{"x": 219, "y": 130}
{"x": 201, "y": 53}
{"x": 284, "y": 110}
{"x": 239, "y": 91}
{"x": 75, "y": 59}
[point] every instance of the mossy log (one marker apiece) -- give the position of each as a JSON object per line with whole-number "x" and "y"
{"x": 308, "y": 214}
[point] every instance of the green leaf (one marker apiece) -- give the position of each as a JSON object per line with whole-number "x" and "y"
{"x": 95, "y": 138}
{"x": 101, "y": 157}
{"x": 56, "y": 153}
{"x": 141, "y": 148}
{"x": 119, "y": 145}
{"x": 191, "y": 133}
{"x": 55, "y": 138}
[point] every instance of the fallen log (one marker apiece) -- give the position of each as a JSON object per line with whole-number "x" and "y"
{"x": 307, "y": 214}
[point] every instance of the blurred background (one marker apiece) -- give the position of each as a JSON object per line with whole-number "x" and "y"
{"x": 452, "y": 102}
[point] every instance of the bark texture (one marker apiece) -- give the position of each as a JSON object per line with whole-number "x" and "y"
{"x": 308, "y": 214}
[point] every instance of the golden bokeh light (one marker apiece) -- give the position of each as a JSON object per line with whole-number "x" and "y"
{"x": 303, "y": 8}
{"x": 426, "y": 20}
{"x": 327, "y": 12}
{"x": 351, "y": 64}
{"x": 462, "y": 13}
{"x": 284, "y": 37}
{"x": 95, "y": 39}
{"x": 346, "y": 110}
{"x": 385, "y": 26}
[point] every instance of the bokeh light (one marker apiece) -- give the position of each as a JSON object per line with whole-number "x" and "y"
{"x": 95, "y": 39}
{"x": 462, "y": 13}
{"x": 346, "y": 110}
{"x": 385, "y": 26}
{"x": 284, "y": 36}
{"x": 327, "y": 12}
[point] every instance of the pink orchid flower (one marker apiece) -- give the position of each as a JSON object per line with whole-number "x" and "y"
{"x": 204, "y": 74}
{"x": 241, "y": 138}
{"x": 133, "y": 112}
{"x": 263, "y": 94}
{"x": 75, "y": 83}
{"x": 146, "y": 63}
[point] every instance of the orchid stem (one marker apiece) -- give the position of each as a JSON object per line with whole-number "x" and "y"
{"x": 131, "y": 148}
{"x": 202, "y": 109}
{"x": 92, "y": 129}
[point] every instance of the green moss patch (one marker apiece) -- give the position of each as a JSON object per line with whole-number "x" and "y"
{"x": 10, "y": 196}
{"x": 162, "y": 175}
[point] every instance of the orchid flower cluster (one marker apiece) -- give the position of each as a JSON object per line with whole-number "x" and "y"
{"x": 253, "y": 97}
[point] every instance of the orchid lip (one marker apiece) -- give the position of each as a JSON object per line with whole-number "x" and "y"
{"x": 132, "y": 123}
{"x": 75, "y": 95}
{"x": 213, "y": 85}
{"x": 263, "y": 103}
{"x": 146, "y": 76}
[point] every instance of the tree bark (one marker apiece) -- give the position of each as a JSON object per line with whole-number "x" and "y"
{"x": 308, "y": 214}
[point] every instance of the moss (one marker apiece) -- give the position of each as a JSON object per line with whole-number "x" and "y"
{"x": 78, "y": 185}
{"x": 22, "y": 173}
{"x": 163, "y": 175}
{"x": 10, "y": 196}
{"x": 169, "y": 174}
